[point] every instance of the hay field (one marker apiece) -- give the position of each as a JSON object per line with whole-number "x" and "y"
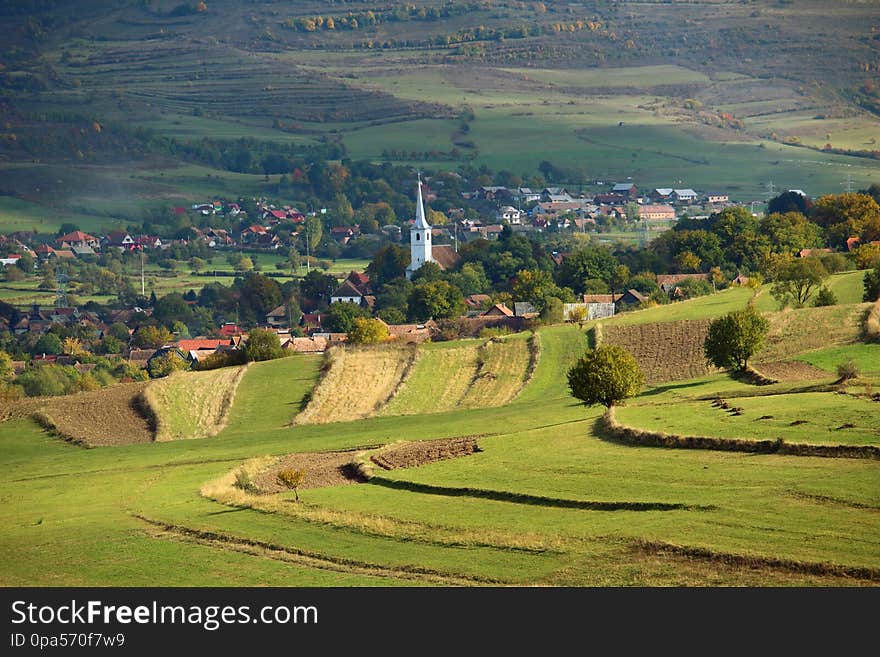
{"x": 793, "y": 332}
{"x": 192, "y": 404}
{"x": 359, "y": 382}
{"x": 667, "y": 351}
{"x": 502, "y": 373}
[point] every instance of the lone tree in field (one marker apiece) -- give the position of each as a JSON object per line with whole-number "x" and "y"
{"x": 735, "y": 338}
{"x": 292, "y": 479}
{"x": 606, "y": 375}
{"x": 797, "y": 280}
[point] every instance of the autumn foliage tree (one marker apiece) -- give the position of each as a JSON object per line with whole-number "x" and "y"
{"x": 292, "y": 479}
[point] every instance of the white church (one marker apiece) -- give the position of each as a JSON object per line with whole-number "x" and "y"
{"x": 419, "y": 237}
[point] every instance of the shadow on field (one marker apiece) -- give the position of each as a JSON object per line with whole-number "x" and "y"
{"x": 671, "y": 386}
{"x": 535, "y": 500}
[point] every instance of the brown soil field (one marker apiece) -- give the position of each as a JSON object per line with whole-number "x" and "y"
{"x": 791, "y": 370}
{"x": 322, "y": 469}
{"x": 666, "y": 351}
{"x": 412, "y": 455}
{"x": 334, "y": 468}
{"x": 110, "y": 416}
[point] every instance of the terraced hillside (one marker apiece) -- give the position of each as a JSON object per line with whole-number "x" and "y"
{"x": 546, "y": 500}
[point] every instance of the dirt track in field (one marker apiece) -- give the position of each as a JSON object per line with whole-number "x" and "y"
{"x": 412, "y": 455}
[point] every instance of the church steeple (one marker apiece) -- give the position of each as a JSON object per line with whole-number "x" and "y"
{"x": 421, "y": 222}
{"x": 419, "y": 236}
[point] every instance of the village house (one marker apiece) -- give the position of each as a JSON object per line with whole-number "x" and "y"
{"x": 555, "y": 195}
{"x": 655, "y": 212}
{"x": 661, "y": 194}
{"x": 684, "y": 196}
{"x": 717, "y": 198}
{"x": 509, "y": 214}
{"x": 354, "y": 289}
{"x": 498, "y": 310}
{"x": 668, "y": 282}
{"x": 119, "y": 239}
{"x": 278, "y": 317}
{"x": 628, "y": 190}
{"x": 344, "y": 234}
{"x": 526, "y": 195}
{"x": 77, "y": 238}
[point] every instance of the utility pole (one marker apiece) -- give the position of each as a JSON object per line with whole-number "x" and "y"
{"x": 770, "y": 189}
{"x": 848, "y": 185}
{"x": 308, "y": 264}
{"x": 143, "y": 286}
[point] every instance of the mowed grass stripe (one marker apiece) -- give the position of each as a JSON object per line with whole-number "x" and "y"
{"x": 439, "y": 381}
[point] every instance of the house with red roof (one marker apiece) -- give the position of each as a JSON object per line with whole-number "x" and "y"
{"x": 77, "y": 238}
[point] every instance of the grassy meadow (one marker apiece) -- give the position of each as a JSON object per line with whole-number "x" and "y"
{"x": 547, "y": 500}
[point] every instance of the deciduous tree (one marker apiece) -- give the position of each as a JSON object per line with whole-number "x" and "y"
{"x": 733, "y": 339}
{"x": 606, "y": 375}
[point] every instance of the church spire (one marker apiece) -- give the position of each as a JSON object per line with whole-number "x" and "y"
{"x": 421, "y": 223}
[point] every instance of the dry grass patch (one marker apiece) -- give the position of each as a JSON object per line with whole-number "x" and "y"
{"x": 192, "y": 404}
{"x": 872, "y": 323}
{"x": 793, "y": 332}
{"x": 110, "y": 416}
{"x": 359, "y": 381}
{"x": 667, "y": 351}
{"x": 503, "y": 368}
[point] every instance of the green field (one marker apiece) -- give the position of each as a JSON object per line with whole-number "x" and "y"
{"x": 546, "y": 501}
{"x": 808, "y": 417}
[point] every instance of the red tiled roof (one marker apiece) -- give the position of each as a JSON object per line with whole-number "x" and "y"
{"x": 230, "y": 329}
{"x": 498, "y": 309}
{"x": 197, "y": 344}
{"x": 76, "y": 236}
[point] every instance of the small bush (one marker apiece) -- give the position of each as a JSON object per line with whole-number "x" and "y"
{"x": 494, "y": 332}
{"x": 825, "y": 297}
{"x": 847, "y": 371}
{"x": 245, "y": 481}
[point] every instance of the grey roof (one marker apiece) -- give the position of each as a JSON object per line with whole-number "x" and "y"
{"x": 521, "y": 308}
{"x": 622, "y": 187}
